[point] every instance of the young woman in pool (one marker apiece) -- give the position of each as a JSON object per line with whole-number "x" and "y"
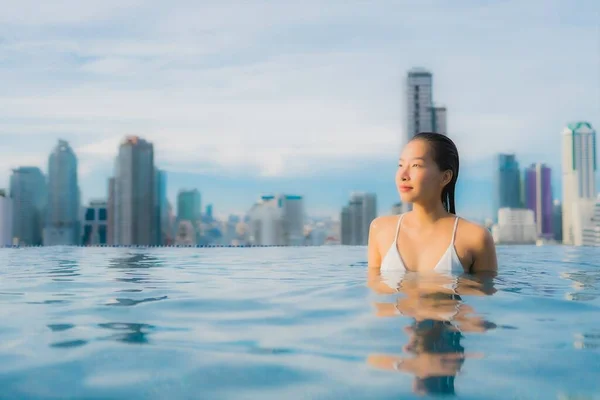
{"x": 430, "y": 237}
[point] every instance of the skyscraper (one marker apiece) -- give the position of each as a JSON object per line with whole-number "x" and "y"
{"x": 419, "y": 102}
{"x": 557, "y": 221}
{"x": 439, "y": 123}
{"x": 421, "y": 113}
{"x": 277, "y": 220}
{"x": 5, "y": 219}
{"x": 110, "y": 211}
{"x": 95, "y": 223}
{"x": 162, "y": 207}
{"x": 579, "y": 179}
{"x": 356, "y": 218}
{"x": 28, "y": 191}
{"x": 189, "y": 210}
{"x": 189, "y": 205}
{"x": 62, "y": 226}
{"x": 538, "y": 197}
{"x": 135, "y": 194}
{"x": 508, "y": 182}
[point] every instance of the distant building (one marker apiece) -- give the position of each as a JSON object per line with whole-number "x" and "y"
{"x": 110, "y": 210}
{"x": 230, "y": 234}
{"x": 63, "y": 226}
{"x": 397, "y": 209}
{"x": 439, "y": 123}
{"x": 515, "y": 226}
{"x": 186, "y": 234}
{"x": 538, "y": 198}
{"x": 419, "y": 102}
{"x": 582, "y": 214}
{"x": 209, "y": 211}
{"x": 356, "y": 218}
{"x": 508, "y": 182}
{"x": 317, "y": 235}
{"x": 5, "y": 219}
{"x": 135, "y": 221}
{"x": 161, "y": 207}
{"x": 277, "y": 220}
{"x": 557, "y": 221}
{"x": 28, "y": 191}
{"x": 266, "y": 224}
{"x": 189, "y": 208}
{"x": 579, "y": 177}
{"x": 95, "y": 224}
{"x": 591, "y": 229}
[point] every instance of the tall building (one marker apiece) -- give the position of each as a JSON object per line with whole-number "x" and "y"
{"x": 515, "y": 226}
{"x": 189, "y": 208}
{"x": 439, "y": 123}
{"x": 579, "y": 178}
{"x": 189, "y": 205}
{"x": 95, "y": 224}
{"x": 29, "y": 195}
{"x": 62, "y": 225}
{"x": 293, "y": 218}
{"x": 110, "y": 211}
{"x": 135, "y": 194}
{"x": 538, "y": 197}
{"x": 162, "y": 208}
{"x": 591, "y": 230}
{"x": 277, "y": 220}
{"x": 356, "y": 218}
{"x": 421, "y": 113}
{"x": 5, "y": 219}
{"x": 557, "y": 221}
{"x": 508, "y": 182}
{"x": 419, "y": 102}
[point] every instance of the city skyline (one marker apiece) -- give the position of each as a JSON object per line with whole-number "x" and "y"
{"x": 238, "y": 102}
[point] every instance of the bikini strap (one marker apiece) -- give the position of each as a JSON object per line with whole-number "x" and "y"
{"x": 398, "y": 228}
{"x": 454, "y": 231}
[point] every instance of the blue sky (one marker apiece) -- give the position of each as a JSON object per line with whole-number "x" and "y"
{"x": 245, "y": 97}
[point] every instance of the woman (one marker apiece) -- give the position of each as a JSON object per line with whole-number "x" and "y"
{"x": 430, "y": 237}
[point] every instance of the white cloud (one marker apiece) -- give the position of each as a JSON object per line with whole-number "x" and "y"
{"x": 284, "y": 88}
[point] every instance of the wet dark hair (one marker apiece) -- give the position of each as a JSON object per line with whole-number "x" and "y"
{"x": 445, "y": 155}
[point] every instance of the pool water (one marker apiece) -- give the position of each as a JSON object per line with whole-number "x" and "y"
{"x": 293, "y": 323}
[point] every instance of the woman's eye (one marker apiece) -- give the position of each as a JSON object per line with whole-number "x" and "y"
{"x": 416, "y": 165}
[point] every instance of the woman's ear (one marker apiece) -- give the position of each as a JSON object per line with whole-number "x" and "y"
{"x": 447, "y": 177}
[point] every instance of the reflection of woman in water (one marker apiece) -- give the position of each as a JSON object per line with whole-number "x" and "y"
{"x": 439, "y": 319}
{"x": 430, "y": 237}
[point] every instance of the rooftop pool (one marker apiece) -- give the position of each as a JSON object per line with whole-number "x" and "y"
{"x": 294, "y": 323}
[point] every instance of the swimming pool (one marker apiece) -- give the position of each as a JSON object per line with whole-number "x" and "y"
{"x": 297, "y": 323}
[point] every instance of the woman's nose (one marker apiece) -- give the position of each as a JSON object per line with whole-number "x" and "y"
{"x": 404, "y": 175}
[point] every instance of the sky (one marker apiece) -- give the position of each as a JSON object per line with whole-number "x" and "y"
{"x": 247, "y": 97}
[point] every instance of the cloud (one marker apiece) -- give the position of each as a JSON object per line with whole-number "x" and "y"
{"x": 287, "y": 88}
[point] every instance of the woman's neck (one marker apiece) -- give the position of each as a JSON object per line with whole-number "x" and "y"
{"x": 428, "y": 214}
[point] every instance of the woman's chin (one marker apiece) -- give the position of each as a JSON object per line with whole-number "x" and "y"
{"x": 407, "y": 197}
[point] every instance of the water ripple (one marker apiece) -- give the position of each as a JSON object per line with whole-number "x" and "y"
{"x": 301, "y": 323}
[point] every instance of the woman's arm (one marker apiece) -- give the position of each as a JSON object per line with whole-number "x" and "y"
{"x": 374, "y": 260}
{"x": 484, "y": 253}
{"x": 373, "y": 255}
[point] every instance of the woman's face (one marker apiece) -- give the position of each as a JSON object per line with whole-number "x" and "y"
{"x": 418, "y": 178}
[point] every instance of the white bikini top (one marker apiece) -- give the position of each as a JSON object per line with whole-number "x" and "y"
{"x": 393, "y": 268}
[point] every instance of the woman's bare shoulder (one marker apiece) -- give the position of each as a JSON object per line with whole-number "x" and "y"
{"x": 384, "y": 222}
{"x": 473, "y": 233}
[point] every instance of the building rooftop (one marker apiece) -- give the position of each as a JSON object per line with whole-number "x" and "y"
{"x": 580, "y": 127}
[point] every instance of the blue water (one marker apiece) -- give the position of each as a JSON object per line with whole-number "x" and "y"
{"x": 292, "y": 323}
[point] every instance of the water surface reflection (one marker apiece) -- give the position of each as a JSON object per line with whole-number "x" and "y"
{"x": 439, "y": 318}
